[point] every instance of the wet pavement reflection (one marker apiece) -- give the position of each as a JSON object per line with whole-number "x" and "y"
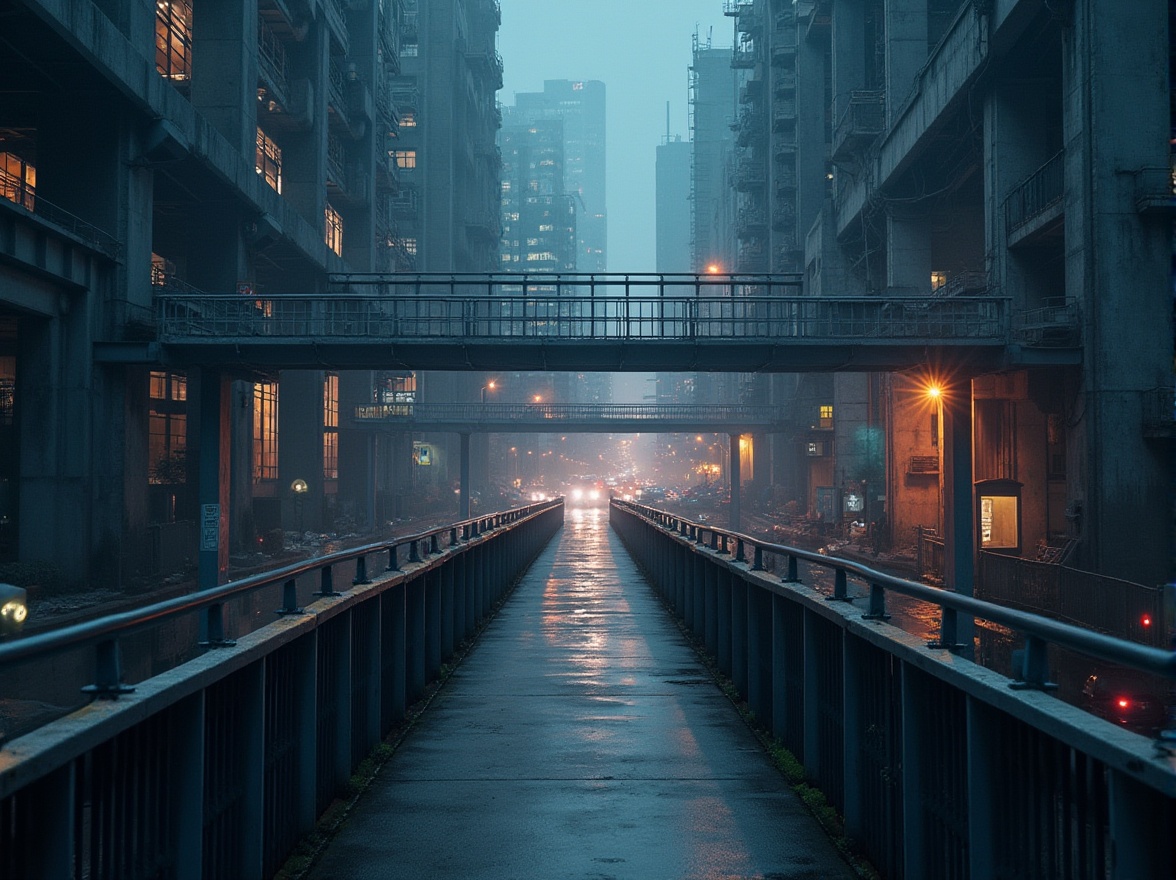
{"x": 581, "y": 738}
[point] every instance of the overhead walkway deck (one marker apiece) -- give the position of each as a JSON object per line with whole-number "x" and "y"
{"x": 496, "y": 321}
{"x": 581, "y": 738}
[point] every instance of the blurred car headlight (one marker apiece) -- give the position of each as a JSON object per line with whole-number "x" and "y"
{"x": 14, "y": 611}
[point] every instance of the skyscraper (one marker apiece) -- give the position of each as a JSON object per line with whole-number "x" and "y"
{"x": 580, "y": 104}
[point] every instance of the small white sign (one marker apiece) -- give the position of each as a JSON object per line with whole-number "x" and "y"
{"x": 209, "y": 527}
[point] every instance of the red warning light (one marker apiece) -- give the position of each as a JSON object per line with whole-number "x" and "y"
{"x": 1146, "y": 620}
{"x": 1123, "y": 702}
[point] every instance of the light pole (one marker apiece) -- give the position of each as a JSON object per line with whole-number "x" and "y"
{"x": 299, "y": 487}
{"x": 489, "y": 386}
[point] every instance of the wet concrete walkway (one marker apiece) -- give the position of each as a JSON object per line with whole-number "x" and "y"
{"x": 581, "y": 738}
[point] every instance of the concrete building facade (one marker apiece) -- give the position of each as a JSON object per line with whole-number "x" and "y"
{"x": 251, "y": 149}
{"x": 943, "y": 149}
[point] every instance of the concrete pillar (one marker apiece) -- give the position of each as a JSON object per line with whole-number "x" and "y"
{"x": 213, "y": 396}
{"x": 735, "y": 480}
{"x": 849, "y": 52}
{"x": 464, "y": 505}
{"x": 908, "y": 257}
{"x": 959, "y": 532}
{"x": 906, "y": 50}
{"x": 224, "y": 70}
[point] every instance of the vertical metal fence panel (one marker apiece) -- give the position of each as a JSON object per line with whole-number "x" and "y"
{"x": 707, "y": 605}
{"x": 393, "y": 657}
{"x": 935, "y": 777}
{"x": 334, "y": 709}
{"x": 822, "y": 705}
{"x": 1051, "y": 810}
{"x": 122, "y": 806}
{"x": 365, "y": 680}
{"x": 39, "y": 829}
{"x": 1143, "y": 826}
{"x": 284, "y": 754}
{"x": 738, "y": 591}
{"x": 873, "y": 754}
{"x": 234, "y": 774}
{"x": 414, "y": 638}
{"x": 759, "y": 652}
{"x": 788, "y": 652}
{"x": 432, "y": 580}
{"x": 723, "y": 633}
{"x": 447, "y": 610}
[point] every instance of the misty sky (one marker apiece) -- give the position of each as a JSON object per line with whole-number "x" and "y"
{"x": 640, "y": 50}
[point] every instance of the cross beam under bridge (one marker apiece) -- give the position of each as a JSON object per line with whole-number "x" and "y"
{"x": 573, "y": 322}
{"x": 574, "y": 418}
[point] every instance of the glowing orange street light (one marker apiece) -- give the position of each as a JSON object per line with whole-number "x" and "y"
{"x": 538, "y": 398}
{"x": 713, "y": 268}
{"x": 934, "y": 392}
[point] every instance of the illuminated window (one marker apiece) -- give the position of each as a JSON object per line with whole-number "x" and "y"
{"x": 409, "y": 245}
{"x": 405, "y": 159}
{"x": 825, "y": 415}
{"x": 265, "y": 431}
{"x": 331, "y": 427}
{"x": 173, "y": 39}
{"x": 269, "y": 160}
{"x": 408, "y": 119}
{"x": 334, "y": 237}
{"x": 18, "y": 180}
{"x": 938, "y": 279}
{"x": 167, "y": 428}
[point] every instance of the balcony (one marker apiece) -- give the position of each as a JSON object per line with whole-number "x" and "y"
{"x": 860, "y": 124}
{"x": 1037, "y": 201}
{"x": 783, "y": 48}
{"x": 1053, "y": 325}
{"x": 749, "y": 175}
{"x": 784, "y": 81}
{"x": 784, "y": 217}
{"x": 1155, "y": 190}
{"x": 744, "y": 58}
{"x": 749, "y": 128}
{"x": 750, "y": 223}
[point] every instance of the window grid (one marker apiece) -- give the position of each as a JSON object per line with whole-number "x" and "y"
{"x": 265, "y": 431}
{"x": 173, "y": 39}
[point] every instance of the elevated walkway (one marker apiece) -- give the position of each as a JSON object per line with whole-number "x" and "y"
{"x": 580, "y": 738}
{"x": 496, "y": 321}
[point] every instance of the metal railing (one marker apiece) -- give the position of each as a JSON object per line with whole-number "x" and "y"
{"x": 235, "y": 749}
{"x": 47, "y": 212}
{"x": 1043, "y": 189}
{"x": 745, "y": 307}
{"x": 1055, "y": 324}
{"x": 862, "y": 120}
{"x": 722, "y": 417}
{"x": 941, "y": 768}
{"x": 1097, "y": 602}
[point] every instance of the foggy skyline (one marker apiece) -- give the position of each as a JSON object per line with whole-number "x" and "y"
{"x": 641, "y": 51}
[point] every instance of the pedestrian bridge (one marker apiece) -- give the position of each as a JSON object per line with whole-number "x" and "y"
{"x": 583, "y": 418}
{"x": 495, "y": 321}
{"x": 579, "y": 735}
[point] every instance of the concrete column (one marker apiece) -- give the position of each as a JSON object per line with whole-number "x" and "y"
{"x": 906, "y": 49}
{"x": 849, "y": 52}
{"x": 735, "y": 479}
{"x": 464, "y": 505}
{"x": 224, "y": 65}
{"x": 213, "y": 486}
{"x": 908, "y": 258}
{"x": 959, "y": 531}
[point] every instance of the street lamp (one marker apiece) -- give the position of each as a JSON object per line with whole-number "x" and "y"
{"x": 489, "y": 386}
{"x": 299, "y": 487}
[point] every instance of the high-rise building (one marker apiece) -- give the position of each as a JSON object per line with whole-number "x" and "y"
{"x": 538, "y": 216}
{"x": 194, "y": 147}
{"x": 580, "y": 104}
{"x": 448, "y": 165}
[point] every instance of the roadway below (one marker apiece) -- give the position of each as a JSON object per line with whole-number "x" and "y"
{"x": 581, "y": 738}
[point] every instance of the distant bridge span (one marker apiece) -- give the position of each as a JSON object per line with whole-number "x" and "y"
{"x": 622, "y": 323}
{"x": 578, "y": 418}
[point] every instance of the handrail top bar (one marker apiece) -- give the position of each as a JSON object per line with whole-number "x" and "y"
{"x": 448, "y": 297}
{"x": 1144, "y": 657}
{"x": 714, "y": 277}
{"x": 126, "y": 622}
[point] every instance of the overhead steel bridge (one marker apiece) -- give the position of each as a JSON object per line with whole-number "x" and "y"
{"x": 609, "y": 322}
{"x": 582, "y": 418}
